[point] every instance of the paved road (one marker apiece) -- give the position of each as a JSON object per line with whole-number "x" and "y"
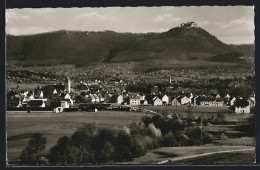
{"x": 204, "y": 154}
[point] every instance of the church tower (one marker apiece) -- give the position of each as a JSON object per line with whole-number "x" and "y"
{"x": 68, "y": 84}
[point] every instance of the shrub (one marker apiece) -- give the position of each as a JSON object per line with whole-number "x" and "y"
{"x": 194, "y": 134}
{"x": 169, "y": 140}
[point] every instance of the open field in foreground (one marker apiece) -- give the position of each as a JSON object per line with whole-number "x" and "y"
{"x": 239, "y": 157}
{"x": 20, "y": 126}
{"x": 182, "y": 154}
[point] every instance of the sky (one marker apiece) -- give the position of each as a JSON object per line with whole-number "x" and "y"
{"x": 230, "y": 24}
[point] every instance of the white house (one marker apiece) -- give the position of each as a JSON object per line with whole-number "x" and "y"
{"x": 67, "y": 96}
{"x": 175, "y": 102}
{"x": 41, "y": 95}
{"x": 157, "y": 101}
{"x": 134, "y": 99}
{"x": 165, "y": 99}
{"x": 55, "y": 91}
{"x": 64, "y": 104}
{"x": 240, "y": 109}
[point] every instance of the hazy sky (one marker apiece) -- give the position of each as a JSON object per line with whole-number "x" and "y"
{"x": 230, "y": 24}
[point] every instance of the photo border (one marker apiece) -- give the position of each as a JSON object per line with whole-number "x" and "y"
{"x": 122, "y": 3}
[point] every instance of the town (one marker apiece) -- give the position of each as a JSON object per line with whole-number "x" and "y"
{"x": 97, "y": 94}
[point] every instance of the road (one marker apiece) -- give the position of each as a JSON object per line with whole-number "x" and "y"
{"x": 204, "y": 154}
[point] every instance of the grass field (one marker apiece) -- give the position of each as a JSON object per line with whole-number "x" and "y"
{"x": 20, "y": 125}
{"x": 245, "y": 157}
{"x": 206, "y": 112}
{"x": 167, "y": 153}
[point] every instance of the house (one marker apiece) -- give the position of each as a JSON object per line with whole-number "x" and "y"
{"x": 185, "y": 100}
{"x": 41, "y": 95}
{"x": 232, "y": 101}
{"x": 211, "y": 101}
{"x": 134, "y": 99}
{"x": 242, "y": 109}
{"x": 195, "y": 100}
{"x": 242, "y": 106}
{"x": 217, "y": 96}
{"x": 116, "y": 99}
{"x": 101, "y": 98}
{"x": 251, "y": 102}
{"x": 252, "y": 98}
{"x": 97, "y": 100}
{"x": 157, "y": 101}
{"x": 227, "y": 96}
{"x": 165, "y": 99}
{"x": 55, "y": 91}
{"x": 64, "y": 104}
{"x": 31, "y": 97}
{"x": 144, "y": 102}
{"x": 176, "y": 102}
{"x": 67, "y": 96}
{"x": 142, "y": 96}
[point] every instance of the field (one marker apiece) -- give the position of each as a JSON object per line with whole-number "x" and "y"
{"x": 55, "y": 125}
{"x": 206, "y": 112}
{"x": 244, "y": 157}
{"x": 182, "y": 154}
{"x": 20, "y": 125}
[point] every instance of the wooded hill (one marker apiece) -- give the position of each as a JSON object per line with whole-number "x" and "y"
{"x": 74, "y": 47}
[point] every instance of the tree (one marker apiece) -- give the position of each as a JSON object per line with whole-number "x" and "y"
{"x": 63, "y": 152}
{"x": 32, "y": 153}
{"x": 169, "y": 140}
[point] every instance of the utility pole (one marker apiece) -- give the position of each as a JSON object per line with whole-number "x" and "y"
{"x": 201, "y": 123}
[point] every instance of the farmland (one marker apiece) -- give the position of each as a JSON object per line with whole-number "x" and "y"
{"x": 20, "y": 126}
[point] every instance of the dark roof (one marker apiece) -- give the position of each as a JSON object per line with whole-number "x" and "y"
{"x": 35, "y": 102}
{"x": 134, "y": 96}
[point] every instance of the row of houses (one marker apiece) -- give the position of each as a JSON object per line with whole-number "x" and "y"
{"x": 66, "y": 100}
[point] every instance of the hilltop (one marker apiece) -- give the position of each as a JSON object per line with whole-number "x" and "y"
{"x": 186, "y": 42}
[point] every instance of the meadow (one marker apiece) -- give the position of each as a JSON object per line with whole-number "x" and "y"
{"x": 182, "y": 154}
{"x": 21, "y": 125}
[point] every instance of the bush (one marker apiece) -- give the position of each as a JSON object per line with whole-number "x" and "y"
{"x": 207, "y": 138}
{"x": 194, "y": 134}
{"x": 169, "y": 140}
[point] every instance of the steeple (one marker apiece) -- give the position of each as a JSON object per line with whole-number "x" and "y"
{"x": 68, "y": 84}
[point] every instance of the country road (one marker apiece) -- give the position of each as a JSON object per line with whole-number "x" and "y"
{"x": 204, "y": 154}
